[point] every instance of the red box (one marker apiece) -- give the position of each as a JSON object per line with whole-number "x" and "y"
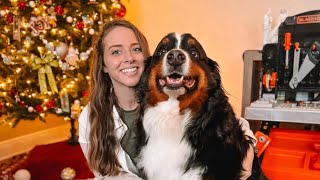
{"x": 292, "y": 154}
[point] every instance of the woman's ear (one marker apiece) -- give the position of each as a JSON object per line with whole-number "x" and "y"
{"x": 105, "y": 69}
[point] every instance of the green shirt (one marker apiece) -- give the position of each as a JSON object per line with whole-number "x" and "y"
{"x": 129, "y": 140}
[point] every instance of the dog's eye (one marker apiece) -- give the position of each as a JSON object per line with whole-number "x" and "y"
{"x": 194, "y": 53}
{"x": 163, "y": 51}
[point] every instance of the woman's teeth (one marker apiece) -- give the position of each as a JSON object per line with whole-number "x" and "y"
{"x": 129, "y": 70}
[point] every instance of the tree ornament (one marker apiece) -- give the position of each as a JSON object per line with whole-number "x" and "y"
{"x": 30, "y": 109}
{"x": 58, "y": 110}
{"x": 22, "y": 5}
{"x": 12, "y": 92}
{"x": 84, "y": 56}
{"x": 32, "y": 4}
{"x": 80, "y": 25}
{"x": 22, "y": 174}
{"x": 68, "y": 173}
{"x": 72, "y": 56}
{"x": 6, "y": 59}
{"x": 9, "y": 18}
{"x": 39, "y": 109}
{"x": 59, "y": 10}
{"x": 61, "y": 50}
{"x": 1, "y": 106}
{"x": 121, "y": 12}
{"x": 23, "y": 104}
{"x": 85, "y": 93}
{"x": 38, "y": 25}
{"x": 50, "y": 104}
{"x": 43, "y": 1}
{"x": 43, "y": 65}
{"x": 91, "y": 31}
{"x": 69, "y": 19}
{"x": 2, "y": 13}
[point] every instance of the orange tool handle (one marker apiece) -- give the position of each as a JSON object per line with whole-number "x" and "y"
{"x": 296, "y": 46}
{"x": 287, "y": 41}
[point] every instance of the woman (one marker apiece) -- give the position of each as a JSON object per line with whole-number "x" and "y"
{"x": 107, "y": 131}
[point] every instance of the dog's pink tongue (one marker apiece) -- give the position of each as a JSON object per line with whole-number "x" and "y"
{"x": 174, "y": 80}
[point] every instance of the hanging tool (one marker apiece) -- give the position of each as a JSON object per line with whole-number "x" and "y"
{"x": 309, "y": 62}
{"x": 287, "y": 44}
{"x": 296, "y": 59}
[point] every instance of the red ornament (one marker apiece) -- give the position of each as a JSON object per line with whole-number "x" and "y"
{"x": 12, "y": 92}
{"x": 43, "y": 1}
{"x": 23, "y": 104}
{"x": 9, "y": 18}
{"x": 39, "y": 109}
{"x": 59, "y": 10}
{"x": 1, "y": 106}
{"x": 22, "y": 5}
{"x": 121, "y": 12}
{"x": 50, "y": 104}
{"x": 85, "y": 93}
{"x": 80, "y": 25}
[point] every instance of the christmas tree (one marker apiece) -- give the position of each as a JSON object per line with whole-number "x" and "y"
{"x": 45, "y": 48}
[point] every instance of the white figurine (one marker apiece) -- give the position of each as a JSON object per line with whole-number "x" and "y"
{"x": 267, "y": 22}
{"x": 271, "y": 36}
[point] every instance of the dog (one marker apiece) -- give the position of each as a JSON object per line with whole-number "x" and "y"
{"x": 189, "y": 130}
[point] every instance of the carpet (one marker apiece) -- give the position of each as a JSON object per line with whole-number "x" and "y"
{"x": 45, "y": 162}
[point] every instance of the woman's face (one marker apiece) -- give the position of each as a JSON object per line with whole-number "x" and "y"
{"x": 123, "y": 57}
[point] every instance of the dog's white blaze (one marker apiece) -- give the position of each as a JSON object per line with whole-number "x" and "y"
{"x": 166, "y": 155}
{"x": 185, "y": 66}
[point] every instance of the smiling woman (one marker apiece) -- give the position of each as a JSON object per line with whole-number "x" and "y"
{"x": 107, "y": 125}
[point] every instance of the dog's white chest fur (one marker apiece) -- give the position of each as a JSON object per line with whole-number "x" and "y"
{"x": 166, "y": 154}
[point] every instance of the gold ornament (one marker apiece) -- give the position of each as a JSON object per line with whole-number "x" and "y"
{"x": 68, "y": 173}
{"x": 44, "y": 67}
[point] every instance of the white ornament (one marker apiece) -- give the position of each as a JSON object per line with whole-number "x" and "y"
{"x": 3, "y": 12}
{"x": 84, "y": 56}
{"x": 69, "y": 19}
{"x": 72, "y": 56}
{"x": 30, "y": 109}
{"x": 91, "y": 31}
{"x": 61, "y": 50}
{"x": 58, "y": 110}
{"x": 22, "y": 174}
{"x": 32, "y": 4}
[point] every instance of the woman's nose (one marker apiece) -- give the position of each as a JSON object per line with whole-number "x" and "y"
{"x": 128, "y": 57}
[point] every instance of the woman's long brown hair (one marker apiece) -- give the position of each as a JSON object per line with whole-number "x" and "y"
{"x": 102, "y": 155}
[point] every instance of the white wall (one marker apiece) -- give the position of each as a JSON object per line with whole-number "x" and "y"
{"x": 225, "y": 28}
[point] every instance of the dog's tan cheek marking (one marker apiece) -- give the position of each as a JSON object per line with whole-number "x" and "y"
{"x": 155, "y": 95}
{"x": 195, "y": 100}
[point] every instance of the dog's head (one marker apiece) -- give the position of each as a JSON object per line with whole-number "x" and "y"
{"x": 180, "y": 69}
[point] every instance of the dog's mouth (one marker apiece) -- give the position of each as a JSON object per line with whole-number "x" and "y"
{"x": 176, "y": 81}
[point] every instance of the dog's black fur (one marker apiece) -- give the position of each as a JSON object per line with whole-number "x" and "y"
{"x": 213, "y": 132}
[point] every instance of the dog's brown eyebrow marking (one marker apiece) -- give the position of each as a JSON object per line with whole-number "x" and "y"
{"x": 191, "y": 41}
{"x": 166, "y": 40}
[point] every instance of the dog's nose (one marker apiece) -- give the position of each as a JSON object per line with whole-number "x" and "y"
{"x": 176, "y": 58}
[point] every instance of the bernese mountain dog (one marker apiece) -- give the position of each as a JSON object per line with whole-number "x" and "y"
{"x": 189, "y": 130}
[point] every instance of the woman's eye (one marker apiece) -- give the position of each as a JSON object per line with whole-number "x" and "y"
{"x": 194, "y": 53}
{"x": 163, "y": 51}
{"x": 138, "y": 49}
{"x": 115, "y": 52}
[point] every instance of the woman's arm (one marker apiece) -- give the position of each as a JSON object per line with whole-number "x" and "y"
{"x": 248, "y": 161}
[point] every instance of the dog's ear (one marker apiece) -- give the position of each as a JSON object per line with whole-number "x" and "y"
{"x": 214, "y": 67}
{"x": 214, "y": 71}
